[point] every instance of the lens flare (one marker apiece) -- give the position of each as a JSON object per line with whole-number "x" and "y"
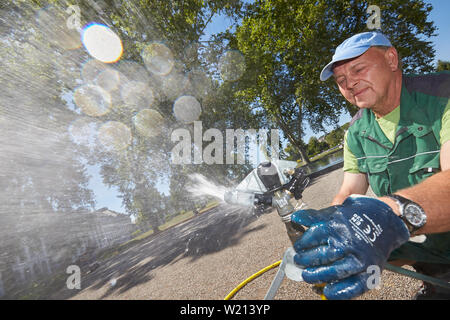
{"x": 92, "y": 100}
{"x": 174, "y": 85}
{"x": 102, "y": 43}
{"x": 114, "y": 136}
{"x": 149, "y": 123}
{"x": 187, "y": 109}
{"x": 108, "y": 79}
{"x": 91, "y": 69}
{"x": 137, "y": 95}
{"x": 200, "y": 83}
{"x": 232, "y": 65}
{"x": 158, "y": 59}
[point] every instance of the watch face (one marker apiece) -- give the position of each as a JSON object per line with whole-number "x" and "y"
{"x": 415, "y": 215}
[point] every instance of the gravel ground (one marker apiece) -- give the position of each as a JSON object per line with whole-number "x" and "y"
{"x": 208, "y": 256}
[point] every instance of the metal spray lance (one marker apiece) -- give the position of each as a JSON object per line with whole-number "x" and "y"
{"x": 283, "y": 194}
{"x": 282, "y": 202}
{"x": 263, "y": 187}
{"x": 276, "y": 194}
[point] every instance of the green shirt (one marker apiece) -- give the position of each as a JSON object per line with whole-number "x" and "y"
{"x": 396, "y": 161}
{"x": 388, "y": 124}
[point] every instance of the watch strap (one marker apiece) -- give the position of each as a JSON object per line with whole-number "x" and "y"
{"x": 401, "y": 202}
{"x": 399, "y": 199}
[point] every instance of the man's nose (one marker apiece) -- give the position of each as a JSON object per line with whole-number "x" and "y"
{"x": 352, "y": 82}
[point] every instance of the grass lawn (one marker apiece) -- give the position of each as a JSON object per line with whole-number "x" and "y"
{"x": 320, "y": 156}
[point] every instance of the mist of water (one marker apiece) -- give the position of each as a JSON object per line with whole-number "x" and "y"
{"x": 68, "y": 98}
{"x": 200, "y": 186}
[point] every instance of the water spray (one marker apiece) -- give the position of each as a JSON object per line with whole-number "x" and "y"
{"x": 270, "y": 186}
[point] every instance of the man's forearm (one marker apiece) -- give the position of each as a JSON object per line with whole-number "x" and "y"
{"x": 433, "y": 195}
{"x": 339, "y": 199}
{"x": 354, "y": 183}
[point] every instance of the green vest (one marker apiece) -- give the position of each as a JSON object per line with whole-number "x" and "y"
{"x": 415, "y": 154}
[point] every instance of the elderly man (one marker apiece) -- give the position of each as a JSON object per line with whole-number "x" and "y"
{"x": 399, "y": 144}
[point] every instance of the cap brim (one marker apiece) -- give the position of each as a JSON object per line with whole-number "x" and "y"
{"x": 327, "y": 72}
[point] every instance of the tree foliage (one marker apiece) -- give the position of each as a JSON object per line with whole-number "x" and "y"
{"x": 315, "y": 146}
{"x": 138, "y": 166}
{"x": 287, "y": 43}
{"x": 443, "y": 65}
{"x": 336, "y": 136}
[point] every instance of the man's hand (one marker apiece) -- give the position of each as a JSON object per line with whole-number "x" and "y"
{"x": 343, "y": 241}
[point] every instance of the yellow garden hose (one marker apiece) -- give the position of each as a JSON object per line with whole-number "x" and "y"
{"x": 320, "y": 287}
{"x": 257, "y": 274}
{"x": 249, "y": 279}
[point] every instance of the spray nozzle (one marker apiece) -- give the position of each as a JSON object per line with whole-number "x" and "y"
{"x": 298, "y": 183}
{"x": 260, "y": 185}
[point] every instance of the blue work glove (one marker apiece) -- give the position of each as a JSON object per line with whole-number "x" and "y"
{"x": 343, "y": 241}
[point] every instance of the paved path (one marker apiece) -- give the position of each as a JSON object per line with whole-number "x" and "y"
{"x": 209, "y": 255}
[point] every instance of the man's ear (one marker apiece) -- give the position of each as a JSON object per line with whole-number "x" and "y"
{"x": 392, "y": 59}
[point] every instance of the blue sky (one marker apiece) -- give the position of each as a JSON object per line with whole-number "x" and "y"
{"x": 441, "y": 17}
{"x": 107, "y": 197}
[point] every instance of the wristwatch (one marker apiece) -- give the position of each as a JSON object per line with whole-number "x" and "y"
{"x": 411, "y": 213}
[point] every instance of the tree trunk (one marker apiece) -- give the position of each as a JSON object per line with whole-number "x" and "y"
{"x": 294, "y": 141}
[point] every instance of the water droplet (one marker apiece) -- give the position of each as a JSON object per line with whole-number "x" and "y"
{"x": 137, "y": 95}
{"x": 175, "y": 85}
{"x": 158, "y": 58}
{"x": 232, "y": 65}
{"x": 187, "y": 109}
{"x": 108, "y": 79}
{"x": 199, "y": 82}
{"x": 149, "y": 123}
{"x": 133, "y": 71}
{"x": 92, "y": 100}
{"x": 91, "y": 70}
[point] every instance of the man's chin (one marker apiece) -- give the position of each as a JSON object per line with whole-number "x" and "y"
{"x": 364, "y": 105}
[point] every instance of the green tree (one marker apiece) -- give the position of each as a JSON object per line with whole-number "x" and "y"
{"x": 287, "y": 43}
{"x": 315, "y": 146}
{"x": 336, "y": 136}
{"x": 443, "y": 65}
{"x": 292, "y": 153}
{"x": 137, "y": 167}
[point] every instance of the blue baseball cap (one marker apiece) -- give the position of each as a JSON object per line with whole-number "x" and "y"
{"x": 353, "y": 47}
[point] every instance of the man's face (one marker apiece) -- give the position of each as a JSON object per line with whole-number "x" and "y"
{"x": 364, "y": 80}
